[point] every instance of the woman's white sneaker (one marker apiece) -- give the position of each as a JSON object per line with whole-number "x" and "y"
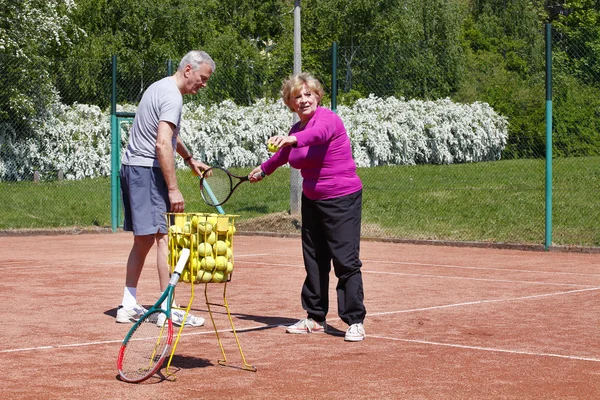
{"x": 307, "y": 325}
{"x": 355, "y": 333}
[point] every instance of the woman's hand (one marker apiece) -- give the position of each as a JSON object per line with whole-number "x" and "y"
{"x": 256, "y": 175}
{"x": 282, "y": 141}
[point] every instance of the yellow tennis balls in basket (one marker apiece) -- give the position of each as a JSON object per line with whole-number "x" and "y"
{"x": 211, "y": 239}
{"x": 220, "y": 248}
{"x": 204, "y": 226}
{"x": 217, "y": 276}
{"x": 205, "y": 249}
{"x": 184, "y": 242}
{"x": 221, "y": 263}
{"x": 207, "y": 263}
{"x": 212, "y": 219}
{"x": 204, "y": 276}
{"x": 231, "y": 229}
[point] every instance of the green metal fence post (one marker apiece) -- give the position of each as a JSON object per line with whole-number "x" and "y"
{"x": 548, "y": 241}
{"x": 334, "y": 77}
{"x": 114, "y": 150}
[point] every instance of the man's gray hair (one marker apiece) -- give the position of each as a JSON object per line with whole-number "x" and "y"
{"x": 195, "y": 58}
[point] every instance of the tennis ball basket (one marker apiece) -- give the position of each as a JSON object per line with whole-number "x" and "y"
{"x": 209, "y": 237}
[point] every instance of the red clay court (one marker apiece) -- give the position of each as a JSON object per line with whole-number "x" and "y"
{"x": 442, "y": 323}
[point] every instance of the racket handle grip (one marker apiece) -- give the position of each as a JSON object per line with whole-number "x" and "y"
{"x": 259, "y": 175}
{"x": 183, "y": 257}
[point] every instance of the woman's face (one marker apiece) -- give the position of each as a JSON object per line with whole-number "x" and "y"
{"x": 305, "y": 103}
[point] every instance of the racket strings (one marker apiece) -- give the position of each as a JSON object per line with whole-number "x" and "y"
{"x": 146, "y": 347}
{"x": 216, "y": 187}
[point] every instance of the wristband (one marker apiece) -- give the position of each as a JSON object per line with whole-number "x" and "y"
{"x": 189, "y": 158}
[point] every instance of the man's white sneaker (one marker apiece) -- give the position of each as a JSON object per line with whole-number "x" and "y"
{"x": 355, "y": 333}
{"x": 128, "y": 315}
{"x": 307, "y": 325}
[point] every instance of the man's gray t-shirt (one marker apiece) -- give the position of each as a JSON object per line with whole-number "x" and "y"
{"x": 162, "y": 101}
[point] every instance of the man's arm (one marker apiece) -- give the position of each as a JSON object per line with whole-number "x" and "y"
{"x": 164, "y": 153}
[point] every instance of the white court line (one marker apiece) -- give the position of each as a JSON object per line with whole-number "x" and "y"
{"x": 71, "y": 345}
{"x": 479, "y": 268}
{"x": 476, "y": 279}
{"x": 370, "y": 336}
{"x": 120, "y": 263}
{"x": 490, "y": 349}
{"x": 366, "y": 262}
{"x": 363, "y": 270}
{"x": 469, "y": 303}
{"x": 261, "y": 327}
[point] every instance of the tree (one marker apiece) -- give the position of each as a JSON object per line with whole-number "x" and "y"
{"x": 505, "y": 68}
{"x": 32, "y": 32}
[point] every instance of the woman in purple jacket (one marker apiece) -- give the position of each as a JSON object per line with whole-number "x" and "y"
{"x": 319, "y": 147}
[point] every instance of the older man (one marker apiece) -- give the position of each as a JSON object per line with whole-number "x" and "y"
{"x": 148, "y": 179}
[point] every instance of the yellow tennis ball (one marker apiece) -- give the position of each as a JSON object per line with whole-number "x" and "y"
{"x": 211, "y": 238}
{"x": 229, "y": 267}
{"x": 204, "y": 227}
{"x": 207, "y": 263}
{"x": 272, "y": 148}
{"x": 205, "y": 249}
{"x": 212, "y": 219}
{"x": 184, "y": 242}
{"x": 175, "y": 229}
{"x": 220, "y": 248}
{"x": 204, "y": 276}
{"x": 231, "y": 230}
{"x": 221, "y": 263}
{"x": 217, "y": 276}
{"x": 187, "y": 227}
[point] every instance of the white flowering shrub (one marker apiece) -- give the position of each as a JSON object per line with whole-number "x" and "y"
{"x": 395, "y": 131}
{"x": 76, "y": 139}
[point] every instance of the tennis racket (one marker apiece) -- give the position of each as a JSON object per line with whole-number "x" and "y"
{"x": 148, "y": 342}
{"x": 217, "y": 185}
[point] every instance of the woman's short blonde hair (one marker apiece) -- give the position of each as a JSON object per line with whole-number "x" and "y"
{"x": 293, "y": 85}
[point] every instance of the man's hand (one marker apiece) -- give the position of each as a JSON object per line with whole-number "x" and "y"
{"x": 197, "y": 167}
{"x": 176, "y": 200}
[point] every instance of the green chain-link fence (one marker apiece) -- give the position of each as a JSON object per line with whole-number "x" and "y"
{"x": 495, "y": 201}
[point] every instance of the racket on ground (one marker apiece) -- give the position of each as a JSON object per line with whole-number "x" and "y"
{"x": 148, "y": 342}
{"x": 217, "y": 185}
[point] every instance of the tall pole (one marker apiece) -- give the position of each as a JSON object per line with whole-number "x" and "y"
{"x": 548, "y": 239}
{"x": 295, "y": 177}
{"x": 114, "y": 151}
{"x": 334, "y": 77}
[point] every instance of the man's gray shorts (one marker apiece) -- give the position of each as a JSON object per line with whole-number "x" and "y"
{"x": 145, "y": 200}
